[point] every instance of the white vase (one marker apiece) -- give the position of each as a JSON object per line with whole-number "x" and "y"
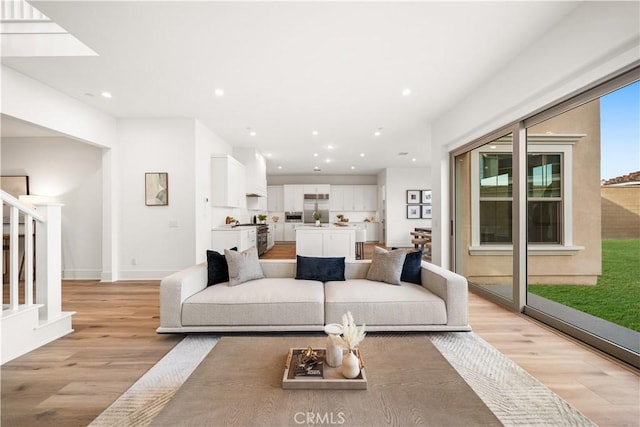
{"x": 317, "y": 223}
{"x": 350, "y": 365}
{"x": 334, "y": 353}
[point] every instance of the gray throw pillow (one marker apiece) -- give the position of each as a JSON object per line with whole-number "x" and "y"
{"x": 386, "y": 266}
{"x": 243, "y": 266}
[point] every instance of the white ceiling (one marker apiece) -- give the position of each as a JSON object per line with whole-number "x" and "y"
{"x": 289, "y": 68}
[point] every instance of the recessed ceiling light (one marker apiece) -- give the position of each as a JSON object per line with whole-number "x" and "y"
{"x": 493, "y": 147}
{"x": 279, "y": 167}
{"x": 377, "y": 133}
{"x": 330, "y": 147}
{"x": 328, "y": 160}
{"x": 219, "y": 92}
{"x": 252, "y": 133}
{"x": 414, "y": 159}
{"x": 353, "y": 167}
{"x": 315, "y": 154}
{"x": 314, "y": 133}
{"x": 361, "y": 154}
{"x": 106, "y": 94}
{"x": 406, "y": 92}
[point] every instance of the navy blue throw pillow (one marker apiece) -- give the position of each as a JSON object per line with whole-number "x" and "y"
{"x": 322, "y": 269}
{"x": 411, "y": 268}
{"x": 217, "y": 268}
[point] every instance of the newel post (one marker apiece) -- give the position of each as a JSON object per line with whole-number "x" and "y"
{"x": 49, "y": 260}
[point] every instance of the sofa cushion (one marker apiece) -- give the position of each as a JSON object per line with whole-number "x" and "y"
{"x": 243, "y": 266}
{"x": 268, "y": 301}
{"x": 411, "y": 269}
{"x": 217, "y": 269}
{"x": 323, "y": 269}
{"x": 386, "y": 266}
{"x": 378, "y": 304}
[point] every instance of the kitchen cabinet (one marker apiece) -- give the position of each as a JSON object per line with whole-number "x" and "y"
{"x": 226, "y": 238}
{"x": 362, "y": 198}
{"x": 326, "y": 241}
{"x": 275, "y": 198}
{"x": 373, "y": 234}
{"x": 277, "y": 230}
{"x": 370, "y": 197}
{"x": 228, "y": 182}
{"x": 289, "y": 231}
{"x": 255, "y": 170}
{"x": 271, "y": 240}
{"x": 317, "y": 189}
{"x": 336, "y": 198}
{"x": 293, "y": 198}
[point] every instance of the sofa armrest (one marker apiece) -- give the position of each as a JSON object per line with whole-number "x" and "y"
{"x": 176, "y": 288}
{"x": 452, "y": 288}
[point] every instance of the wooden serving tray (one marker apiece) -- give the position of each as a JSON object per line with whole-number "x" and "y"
{"x": 333, "y": 378}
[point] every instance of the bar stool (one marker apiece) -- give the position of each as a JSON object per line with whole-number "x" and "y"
{"x": 361, "y": 237}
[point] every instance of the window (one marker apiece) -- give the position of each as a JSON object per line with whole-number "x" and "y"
{"x": 544, "y": 198}
{"x": 548, "y": 194}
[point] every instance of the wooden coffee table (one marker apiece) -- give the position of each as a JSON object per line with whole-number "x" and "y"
{"x": 409, "y": 383}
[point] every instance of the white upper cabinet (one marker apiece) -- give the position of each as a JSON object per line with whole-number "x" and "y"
{"x": 275, "y": 198}
{"x": 370, "y": 197}
{"x": 317, "y": 189}
{"x": 354, "y": 198}
{"x": 256, "y": 170}
{"x": 228, "y": 178}
{"x": 336, "y": 198}
{"x": 293, "y": 198}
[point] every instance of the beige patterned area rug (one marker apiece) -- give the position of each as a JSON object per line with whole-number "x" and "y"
{"x": 514, "y": 396}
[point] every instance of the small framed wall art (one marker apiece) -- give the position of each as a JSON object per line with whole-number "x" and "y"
{"x": 156, "y": 188}
{"x": 426, "y": 197}
{"x": 413, "y": 196}
{"x": 426, "y": 211}
{"x": 413, "y": 211}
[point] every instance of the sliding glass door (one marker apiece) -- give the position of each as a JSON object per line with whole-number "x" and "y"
{"x": 547, "y": 216}
{"x": 484, "y": 196}
{"x": 583, "y": 219}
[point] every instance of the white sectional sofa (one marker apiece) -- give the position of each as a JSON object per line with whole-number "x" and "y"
{"x": 279, "y": 302}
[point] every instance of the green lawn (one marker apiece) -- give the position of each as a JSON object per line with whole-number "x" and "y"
{"x": 616, "y": 297}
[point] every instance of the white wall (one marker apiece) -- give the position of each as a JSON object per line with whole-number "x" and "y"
{"x": 149, "y": 247}
{"x": 398, "y": 181}
{"x": 34, "y": 102}
{"x": 71, "y": 172}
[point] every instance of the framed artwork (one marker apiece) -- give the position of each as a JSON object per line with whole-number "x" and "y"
{"x": 426, "y": 211}
{"x": 413, "y": 211}
{"x": 426, "y": 196}
{"x": 413, "y": 196}
{"x": 156, "y": 188}
{"x": 16, "y": 186}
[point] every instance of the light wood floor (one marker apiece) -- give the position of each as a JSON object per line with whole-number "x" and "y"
{"x": 70, "y": 381}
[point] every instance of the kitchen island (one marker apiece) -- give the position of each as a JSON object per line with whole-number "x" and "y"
{"x": 327, "y": 240}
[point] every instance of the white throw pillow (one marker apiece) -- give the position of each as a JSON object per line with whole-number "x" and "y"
{"x": 386, "y": 266}
{"x": 243, "y": 266}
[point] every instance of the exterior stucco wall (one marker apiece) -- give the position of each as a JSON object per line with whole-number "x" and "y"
{"x": 579, "y": 267}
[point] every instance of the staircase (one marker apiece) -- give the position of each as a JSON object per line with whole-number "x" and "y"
{"x": 32, "y": 313}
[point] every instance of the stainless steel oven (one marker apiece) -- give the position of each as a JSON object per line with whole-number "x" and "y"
{"x": 293, "y": 217}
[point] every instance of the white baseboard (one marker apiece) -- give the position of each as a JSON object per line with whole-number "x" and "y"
{"x": 81, "y": 274}
{"x": 144, "y": 275}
